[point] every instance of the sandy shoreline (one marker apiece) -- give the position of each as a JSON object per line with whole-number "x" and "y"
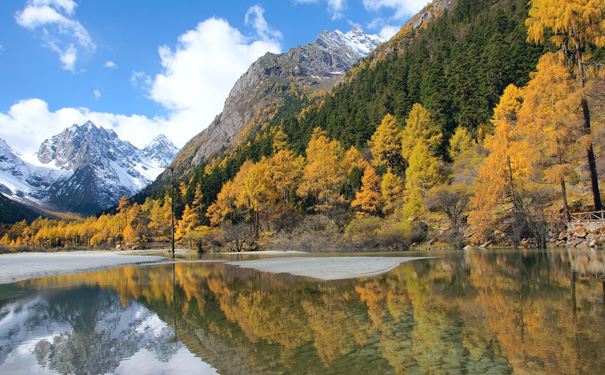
{"x": 327, "y": 268}
{"x": 25, "y": 266}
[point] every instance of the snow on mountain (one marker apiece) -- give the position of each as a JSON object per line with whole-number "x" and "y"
{"x": 48, "y": 331}
{"x": 89, "y": 169}
{"x": 352, "y": 46}
{"x": 24, "y": 182}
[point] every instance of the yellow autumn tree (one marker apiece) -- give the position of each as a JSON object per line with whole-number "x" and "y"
{"x": 256, "y": 193}
{"x": 460, "y": 142}
{"x": 353, "y": 159}
{"x": 323, "y": 176}
{"x": 419, "y": 127}
{"x": 392, "y": 190}
{"x": 422, "y": 174}
{"x": 575, "y": 26}
{"x": 385, "y": 144}
{"x": 189, "y": 222}
{"x": 223, "y": 207}
{"x": 280, "y": 140}
{"x": 285, "y": 170}
{"x": 550, "y": 121}
{"x": 507, "y": 167}
{"x": 369, "y": 199}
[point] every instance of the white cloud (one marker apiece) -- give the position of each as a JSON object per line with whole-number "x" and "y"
{"x": 387, "y": 32}
{"x": 200, "y": 71}
{"x": 29, "y": 122}
{"x": 255, "y": 17}
{"x": 197, "y": 75}
{"x": 111, "y": 65}
{"x": 140, "y": 79}
{"x": 67, "y": 5}
{"x": 336, "y": 8}
{"x": 403, "y": 8}
{"x": 58, "y": 29}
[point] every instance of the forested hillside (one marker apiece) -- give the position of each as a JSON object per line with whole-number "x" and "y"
{"x": 474, "y": 127}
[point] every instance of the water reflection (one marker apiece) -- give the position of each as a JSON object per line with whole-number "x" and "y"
{"x": 469, "y": 312}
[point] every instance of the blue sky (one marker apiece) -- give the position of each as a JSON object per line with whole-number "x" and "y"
{"x": 150, "y": 67}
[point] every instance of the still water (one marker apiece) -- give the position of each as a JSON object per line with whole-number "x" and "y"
{"x": 471, "y": 312}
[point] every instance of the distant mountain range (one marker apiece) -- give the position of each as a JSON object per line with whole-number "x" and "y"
{"x": 89, "y": 169}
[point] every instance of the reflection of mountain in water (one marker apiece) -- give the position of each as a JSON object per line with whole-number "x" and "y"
{"x": 83, "y": 331}
{"x": 471, "y": 312}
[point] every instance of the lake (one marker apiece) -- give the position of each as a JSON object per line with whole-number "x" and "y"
{"x": 464, "y": 312}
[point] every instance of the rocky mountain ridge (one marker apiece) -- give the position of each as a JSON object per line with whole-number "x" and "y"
{"x": 312, "y": 67}
{"x": 90, "y": 169}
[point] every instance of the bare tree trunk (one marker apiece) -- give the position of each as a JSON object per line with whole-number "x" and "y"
{"x": 565, "y": 206}
{"x": 592, "y": 165}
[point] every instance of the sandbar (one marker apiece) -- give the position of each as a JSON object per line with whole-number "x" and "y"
{"x": 25, "y": 266}
{"x": 327, "y": 268}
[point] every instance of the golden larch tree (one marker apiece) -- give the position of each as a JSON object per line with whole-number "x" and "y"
{"x": 419, "y": 127}
{"x": 550, "y": 121}
{"x": 507, "y": 167}
{"x": 392, "y": 190}
{"x": 323, "y": 176}
{"x": 369, "y": 199}
{"x": 385, "y": 144}
{"x": 575, "y": 26}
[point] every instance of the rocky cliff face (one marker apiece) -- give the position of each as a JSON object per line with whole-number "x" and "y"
{"x": 90, "y": 169}
{"x": 316, "y": 65}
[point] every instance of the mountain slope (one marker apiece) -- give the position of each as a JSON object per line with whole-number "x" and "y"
{"x": 262, "y": 89}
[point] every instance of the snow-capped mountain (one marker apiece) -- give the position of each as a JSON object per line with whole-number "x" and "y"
{"x": 350, "y": 47}
{"x": 316, "y": 66}
{"x": 96, "y": 335}
{"x": 89, "y": 169}
{"x": 24, "y": 182}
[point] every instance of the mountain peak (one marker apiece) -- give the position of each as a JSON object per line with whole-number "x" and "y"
{"x": 353, "y": 46}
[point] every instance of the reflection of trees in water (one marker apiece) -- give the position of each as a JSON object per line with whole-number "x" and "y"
{"x": 483, "y": 312}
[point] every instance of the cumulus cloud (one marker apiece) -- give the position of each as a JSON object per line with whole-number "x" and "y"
{"x": 197, "y": 75}
{"x": 201, "y": 69}
{"x": 335, "y": 8}
{"x": 403, "y": 8}
{"x": 111, "y": 65}
{"x": 57, "y": 27}
{"x": 29, "y": 122}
